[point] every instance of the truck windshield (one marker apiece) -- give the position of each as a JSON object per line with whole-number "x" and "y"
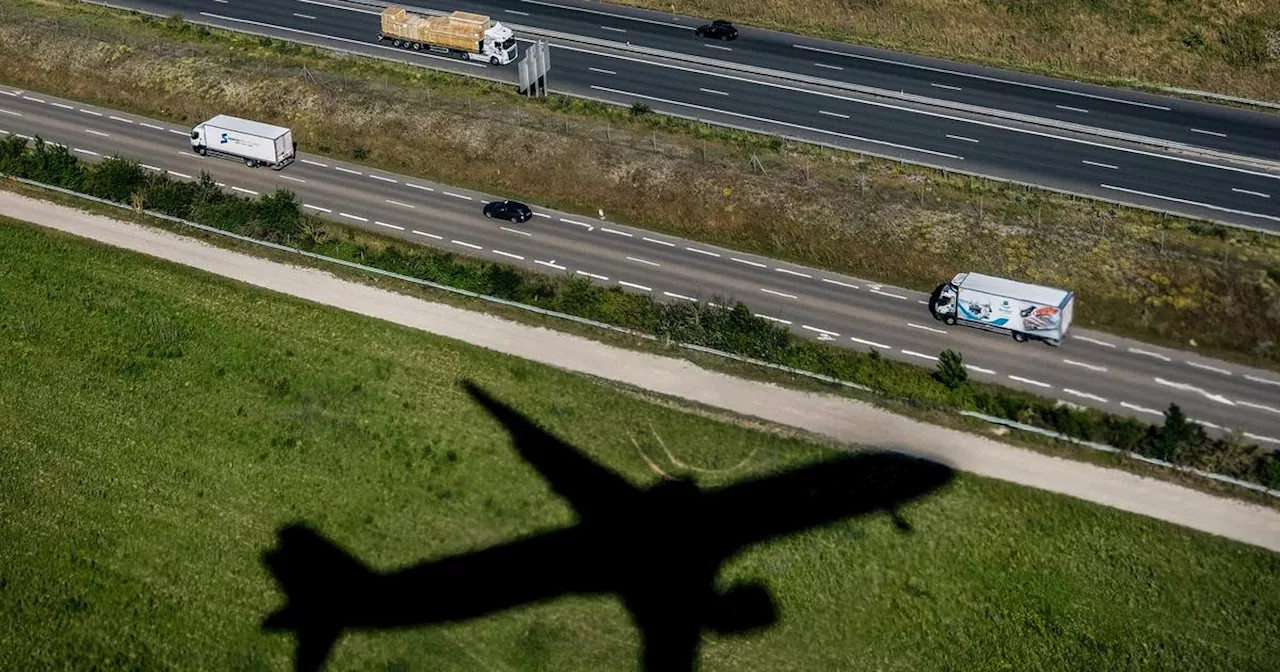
{"x": 511, "y": 42}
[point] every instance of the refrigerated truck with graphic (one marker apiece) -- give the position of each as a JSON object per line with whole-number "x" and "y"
{"x": 255, "y": 143}
{"x": 1028, "y": 312}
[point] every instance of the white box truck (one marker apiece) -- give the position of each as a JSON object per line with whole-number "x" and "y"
{"x": 1024, "y": 310}
{"x": 253, "y": 142}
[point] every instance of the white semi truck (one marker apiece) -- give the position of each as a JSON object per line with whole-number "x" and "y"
{"x": 255, "y": 143}
{"x": 1024, "y": 310}
{"x": 471, "y": 36}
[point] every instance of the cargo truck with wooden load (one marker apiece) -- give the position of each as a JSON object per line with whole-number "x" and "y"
{"x": 462, "y": 34}
{"x": 1024, "y": 310}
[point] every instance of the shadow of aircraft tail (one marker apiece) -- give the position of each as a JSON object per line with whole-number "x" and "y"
{"x": 321, "y": 583}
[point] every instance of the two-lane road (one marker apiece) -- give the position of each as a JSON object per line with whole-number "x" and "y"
{"x": 1091, "y": 368}
{"x": 957, "y": 141}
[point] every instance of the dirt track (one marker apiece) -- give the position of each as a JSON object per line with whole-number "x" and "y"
{"x": 841, "y": 419}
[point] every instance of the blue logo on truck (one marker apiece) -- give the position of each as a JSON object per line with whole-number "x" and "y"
{"x": 224, "y": 139}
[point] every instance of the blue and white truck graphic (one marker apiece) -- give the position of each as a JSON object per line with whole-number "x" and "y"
{"x": 255, "y": 143}
{"x": 1024, "y": 310}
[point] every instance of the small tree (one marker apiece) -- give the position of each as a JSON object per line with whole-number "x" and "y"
{"x": 1180, "y": 440}
{"x": 951, "y": 371}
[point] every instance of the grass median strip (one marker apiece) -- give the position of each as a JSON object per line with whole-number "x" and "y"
{"x": 1142, "y": 275}
{"x": 164, "y": 422}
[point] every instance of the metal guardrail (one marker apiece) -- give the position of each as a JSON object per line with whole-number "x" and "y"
{"x": 1221, "y": 96}
{"x": 629, "y": 332}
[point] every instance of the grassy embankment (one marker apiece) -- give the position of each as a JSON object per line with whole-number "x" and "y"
{"x": 159, "y": 423}
{"x": 1206, "y": 45}
{"x": 1155, "y": 278}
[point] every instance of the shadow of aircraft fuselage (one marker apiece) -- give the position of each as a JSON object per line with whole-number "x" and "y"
{"x": 659, "y": 549}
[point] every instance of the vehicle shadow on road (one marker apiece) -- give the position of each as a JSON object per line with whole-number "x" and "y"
{"x": 657, "y": 548}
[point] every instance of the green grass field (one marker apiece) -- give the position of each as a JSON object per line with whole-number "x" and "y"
{"x": 157, "y": 424}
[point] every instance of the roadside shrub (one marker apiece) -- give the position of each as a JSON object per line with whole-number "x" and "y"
{"x": 171, "y": 197}
{"x": 1179, "y": 440}
{"x": 13, "y": 150}
{"x": 116, "y": 179}
{"x": 278, "y": 217}
{"x": 951, "y": 371}
{"x": 51, "y": 164}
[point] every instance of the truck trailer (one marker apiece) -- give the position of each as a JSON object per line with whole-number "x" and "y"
{"x": 469, "y": 36}
{"x": 1024, "y": 310}
{"x": 253, "y": 142}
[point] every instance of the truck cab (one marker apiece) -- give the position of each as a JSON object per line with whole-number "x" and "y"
{"x": 942, "y": 302}
{"x": 499, "y": 45}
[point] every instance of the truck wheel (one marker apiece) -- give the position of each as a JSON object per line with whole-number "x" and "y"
{"x": 493, "y": 60}
{"x": 1019, "y": 337}
{"x": 417, "y": 46}
{"x": 201, "y": 151}
{"x": 397, "y": 44}
{"x": 949, "y": 320}
{"x": 251, "y": 163}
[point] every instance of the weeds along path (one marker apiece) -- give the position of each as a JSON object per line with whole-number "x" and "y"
{"x": 840, "y": 419}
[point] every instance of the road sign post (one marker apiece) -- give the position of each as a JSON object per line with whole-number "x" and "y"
{"x": 533, "y": 69}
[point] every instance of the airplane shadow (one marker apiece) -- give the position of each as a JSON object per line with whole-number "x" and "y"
{"x": 657, "y": 548}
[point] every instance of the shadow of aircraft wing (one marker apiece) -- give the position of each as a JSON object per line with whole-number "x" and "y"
{"x": 868, "y": 482}
{"x": 591, "y": 488}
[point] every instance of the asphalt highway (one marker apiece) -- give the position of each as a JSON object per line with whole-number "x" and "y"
{"x": 1214, "y": 126}
{"x": 1090, "y": 368}
{"x": 1080, "y": 164}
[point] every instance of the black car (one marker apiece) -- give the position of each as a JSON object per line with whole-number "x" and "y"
{"x": 512, "y": 211}
{"x": 717, "y": 30}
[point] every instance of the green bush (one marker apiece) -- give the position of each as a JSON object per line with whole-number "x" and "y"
{"x": 278, "y": 217}
{"x": 951, "y": 371}
{"x": 115, "y": 179}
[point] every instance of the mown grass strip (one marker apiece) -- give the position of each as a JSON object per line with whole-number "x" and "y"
{"x": 160, "y": 423}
